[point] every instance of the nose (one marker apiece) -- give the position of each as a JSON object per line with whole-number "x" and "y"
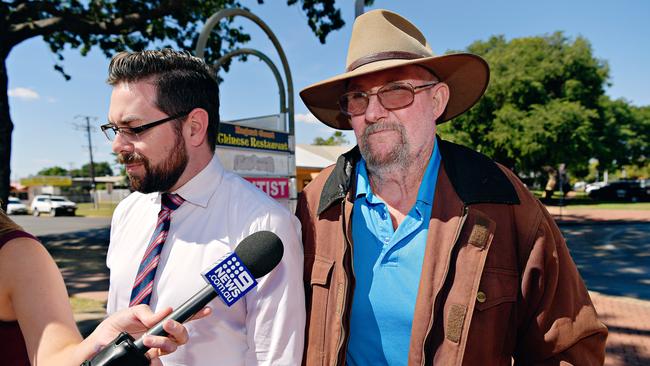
{"x": 121, "y": 144}
{"x": 375, "y": 110}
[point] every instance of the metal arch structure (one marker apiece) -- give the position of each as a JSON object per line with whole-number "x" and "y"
{"x": 358, "y": 8}
{"x": 267, "y": 60}
{"x": 214, "y": 20}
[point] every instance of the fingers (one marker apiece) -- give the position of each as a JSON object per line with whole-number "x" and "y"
{"x": 160, "y": 346}
{"x": 176, "y": 331}
{"x": 149, "y": 318}
{"x": 206, "y": 311}
{"x": 177, "y": 334}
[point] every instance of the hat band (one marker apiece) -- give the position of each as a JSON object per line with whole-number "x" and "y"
{"x": 380, "y": 56}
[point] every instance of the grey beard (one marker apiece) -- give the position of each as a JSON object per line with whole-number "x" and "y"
{"x": 399, "y": 158}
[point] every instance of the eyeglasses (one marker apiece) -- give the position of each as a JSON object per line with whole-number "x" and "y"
{"x": 111, "y": 130}
{"x": 392, "y": 96}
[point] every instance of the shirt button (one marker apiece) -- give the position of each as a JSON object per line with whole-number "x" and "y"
{"x": 481, "y": 297}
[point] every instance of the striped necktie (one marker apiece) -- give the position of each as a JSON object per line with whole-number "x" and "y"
{"x": 143, "y": 285}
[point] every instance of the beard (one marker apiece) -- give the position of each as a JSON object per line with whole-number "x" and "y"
{"x": 161, "y": 177}
{"x": 397, "y": 156}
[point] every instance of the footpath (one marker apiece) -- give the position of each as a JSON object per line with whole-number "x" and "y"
{"x": 627, "y": 318}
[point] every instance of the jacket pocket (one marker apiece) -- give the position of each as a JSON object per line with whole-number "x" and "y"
{"x": 497, "y": 286}
{"x": 318, "y": 303}
{"x": 492, "y": 331}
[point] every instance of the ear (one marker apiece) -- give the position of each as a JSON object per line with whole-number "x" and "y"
{"x": 440, "y": 99}
{"x": 196, "y": 127}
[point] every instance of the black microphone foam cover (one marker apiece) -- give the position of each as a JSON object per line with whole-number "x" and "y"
{"x": 260, "y": 252}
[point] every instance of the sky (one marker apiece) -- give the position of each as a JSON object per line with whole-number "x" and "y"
{"x": 48, "y": 112}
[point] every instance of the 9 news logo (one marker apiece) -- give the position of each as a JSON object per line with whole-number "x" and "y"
{"x": 230, "y": 279}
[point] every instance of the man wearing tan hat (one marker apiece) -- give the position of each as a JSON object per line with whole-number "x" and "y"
{"x": 419, "y": 251}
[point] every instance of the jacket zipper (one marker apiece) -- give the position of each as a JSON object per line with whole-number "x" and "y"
{"x": 348, "y": 244}
{"x": 438, "y": 300}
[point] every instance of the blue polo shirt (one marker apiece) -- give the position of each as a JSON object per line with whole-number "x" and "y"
{"x": 387, "y": 266}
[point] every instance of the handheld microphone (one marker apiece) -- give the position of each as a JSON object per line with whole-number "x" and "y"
{"x": 230, "y": 278}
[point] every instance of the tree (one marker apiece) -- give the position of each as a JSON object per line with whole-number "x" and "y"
{"x": 542, "y": 107}
{"x": 101, "y": 169}
{"x": 55, "y": 171}
{"x": 337, "y": 139}
{"x": 115, "y": 26}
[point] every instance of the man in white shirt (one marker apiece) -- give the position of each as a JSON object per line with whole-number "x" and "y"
{"x": 174, "y": 155}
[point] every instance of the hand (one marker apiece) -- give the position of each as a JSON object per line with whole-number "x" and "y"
{"x": 138, "y": 319}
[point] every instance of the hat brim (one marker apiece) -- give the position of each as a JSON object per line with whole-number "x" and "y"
{"x": 466, "y": 74}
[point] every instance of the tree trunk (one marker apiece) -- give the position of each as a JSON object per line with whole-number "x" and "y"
{"x": 6, "y": 128}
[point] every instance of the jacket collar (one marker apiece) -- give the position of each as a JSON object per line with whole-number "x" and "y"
{"x": 475, "y": 177}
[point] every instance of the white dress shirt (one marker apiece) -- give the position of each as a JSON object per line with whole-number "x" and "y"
{"x": 266, "y": 327}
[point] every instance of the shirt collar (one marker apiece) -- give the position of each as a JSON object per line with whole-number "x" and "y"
{"x": 425, "y": 192}
{"x": 363, "y": 183}
{"x": 202, "y": 186}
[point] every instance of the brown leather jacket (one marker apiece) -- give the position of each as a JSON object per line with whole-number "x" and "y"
{"x": 497, "y": 281}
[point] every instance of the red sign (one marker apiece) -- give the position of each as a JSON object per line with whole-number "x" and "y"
{"x": 274, "y": 187}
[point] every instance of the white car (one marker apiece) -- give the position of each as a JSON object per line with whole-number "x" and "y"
{"x": 53, "y": 205}
{"x": 594, "y": 186}
{"x": 15, "y": 207}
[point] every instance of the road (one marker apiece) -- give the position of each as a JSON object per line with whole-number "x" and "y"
{"x": 45, "y": 225}
{"x": 612, "y": 259}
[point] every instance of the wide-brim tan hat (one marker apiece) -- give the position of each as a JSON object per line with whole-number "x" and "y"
{"x": 383, "y": 40}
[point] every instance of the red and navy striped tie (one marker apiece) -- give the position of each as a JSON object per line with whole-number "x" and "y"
{"x": 143, "y": 285}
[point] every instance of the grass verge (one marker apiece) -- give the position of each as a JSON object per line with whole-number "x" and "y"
{"x": 105, "y": 209}
{"x": 82, "y": 305}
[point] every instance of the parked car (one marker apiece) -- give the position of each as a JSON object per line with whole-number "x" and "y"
{"x": 622, "y": 190}
{"x": 15, "y": 207}
{"x": 593, "y": 186}
{"x": 54, "y": 205}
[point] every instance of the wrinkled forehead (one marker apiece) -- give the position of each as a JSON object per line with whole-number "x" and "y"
{"x": 382, "y": 77}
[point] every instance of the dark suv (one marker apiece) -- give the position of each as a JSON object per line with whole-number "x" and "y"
{"x": 623, "y": 190}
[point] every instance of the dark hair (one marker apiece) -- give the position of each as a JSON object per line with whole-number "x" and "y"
{"x": 182, "y": 82}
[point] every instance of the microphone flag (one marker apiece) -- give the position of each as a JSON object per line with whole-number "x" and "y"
{"x": 230, "y": 278}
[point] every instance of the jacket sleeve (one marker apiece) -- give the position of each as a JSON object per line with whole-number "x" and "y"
{"x": 304, "y": 216}
{"x": 558, "y": 324}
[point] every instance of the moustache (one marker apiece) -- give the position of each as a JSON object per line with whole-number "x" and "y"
{"x": 130, "y": 158}
{"x": 382, "y": 126}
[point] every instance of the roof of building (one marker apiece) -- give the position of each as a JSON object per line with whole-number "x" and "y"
{"x": 318, "y": 156}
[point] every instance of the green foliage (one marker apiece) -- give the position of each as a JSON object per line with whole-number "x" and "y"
{"x": 53, "y": 171}
{"x": 101, "y": 169}
{"x": 634, "y": 171}
{"x": 337, "y": 139}
{"x": 115, "y": 25}
{"x": 545, "y": 105}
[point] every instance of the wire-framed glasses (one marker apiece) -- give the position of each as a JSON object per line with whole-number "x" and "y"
{"x": 393, "y": 95}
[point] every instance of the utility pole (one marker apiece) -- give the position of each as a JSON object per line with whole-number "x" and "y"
{"x": 87, "y": 128}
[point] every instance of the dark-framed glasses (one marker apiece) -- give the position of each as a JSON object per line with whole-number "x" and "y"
{"x": 393, "y": 95}
{"x": 111, "y": 130}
